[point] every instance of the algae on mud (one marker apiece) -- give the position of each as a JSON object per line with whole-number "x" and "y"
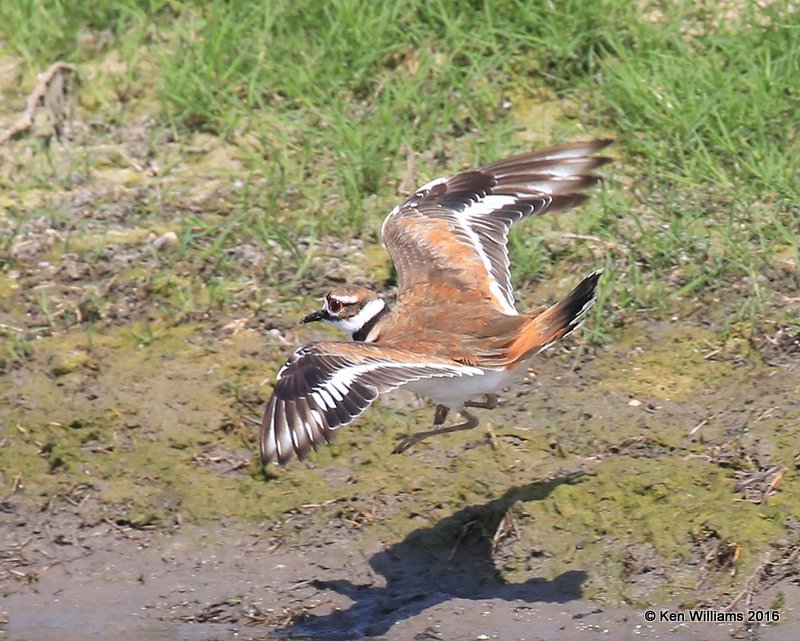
{"x": 157, "y": 431}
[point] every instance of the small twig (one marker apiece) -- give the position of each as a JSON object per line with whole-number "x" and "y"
{"x": 699, "y": 426}
{"x": 766, "y": 414}
{"x": 774, "y": 483}
{"x": 309, "y": 506}
{"x": 35, "y": 99}
{"x": 507, "y": 526}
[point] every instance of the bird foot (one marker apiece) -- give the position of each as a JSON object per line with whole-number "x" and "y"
{"x": 470, "y": 422}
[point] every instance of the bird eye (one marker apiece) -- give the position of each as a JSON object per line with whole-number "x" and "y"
{"x": 334, "y": 305}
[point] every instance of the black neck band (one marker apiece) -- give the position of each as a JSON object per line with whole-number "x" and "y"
{"x": 366, "y": 328}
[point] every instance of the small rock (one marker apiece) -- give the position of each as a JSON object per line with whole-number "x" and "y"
{"x": 166, "y": 240}
{"x": 634, "y": 402}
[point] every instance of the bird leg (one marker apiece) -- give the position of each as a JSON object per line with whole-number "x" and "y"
{"x": 407, "y": 442}
{"x": 489, "y": 404}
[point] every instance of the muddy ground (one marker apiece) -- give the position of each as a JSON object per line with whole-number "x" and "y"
{"x": 575, "y": 514}
{"x": 656, "y": 469}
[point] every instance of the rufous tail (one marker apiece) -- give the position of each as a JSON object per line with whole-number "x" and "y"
{"x": 556, "y": 322}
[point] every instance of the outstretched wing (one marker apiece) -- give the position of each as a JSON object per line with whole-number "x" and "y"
{"x": 456, "y": 229}
{"x": 324, "y": 386}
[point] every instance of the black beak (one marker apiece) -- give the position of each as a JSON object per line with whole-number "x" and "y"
{"x": 315, "y": 316}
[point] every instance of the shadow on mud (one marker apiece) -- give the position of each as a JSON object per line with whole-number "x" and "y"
{"x": 452, "y": 559}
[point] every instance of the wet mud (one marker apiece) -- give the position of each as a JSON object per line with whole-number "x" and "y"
{"x": 135, "y": 506}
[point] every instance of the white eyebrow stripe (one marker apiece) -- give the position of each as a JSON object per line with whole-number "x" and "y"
{"x": 365, "y": 315}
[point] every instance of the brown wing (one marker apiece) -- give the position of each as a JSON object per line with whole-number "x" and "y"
{"x": 456, "y": 229}
{"x": 324, "y": 386}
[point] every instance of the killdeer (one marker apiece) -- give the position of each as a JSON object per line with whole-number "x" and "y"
{"x": 454, "y": 334}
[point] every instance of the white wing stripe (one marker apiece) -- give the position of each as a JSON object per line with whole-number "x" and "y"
{"x": 340, "y": 386}
{"x": 328, "y": 399}
{"x": 295, "y": 438}
{"x": 270, "y": 445}
{"x": 343, "y": 378}
{"x": 487, "y": 205}
{"x": 317, "y": 419}
{"x": 295, "y": 425}
{"x": 284, "y": 434}
{"x": 473, "y": 216}
{"x": 314, "y": 414}
{"x": 335, "y": 393}
{"x": 319, "y": 400}
{"x": 579, "y": 316}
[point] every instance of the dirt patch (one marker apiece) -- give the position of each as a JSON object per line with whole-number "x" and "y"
{"x": 133, "y": 488}
{"x": 70, "y": 578}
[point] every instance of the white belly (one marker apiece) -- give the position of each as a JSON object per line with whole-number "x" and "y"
{"x": 452, "y": 392}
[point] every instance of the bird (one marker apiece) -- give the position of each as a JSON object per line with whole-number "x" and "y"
{"x": 454, "y": 335}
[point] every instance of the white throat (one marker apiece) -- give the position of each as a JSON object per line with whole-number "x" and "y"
{"x": 365, "y": 315}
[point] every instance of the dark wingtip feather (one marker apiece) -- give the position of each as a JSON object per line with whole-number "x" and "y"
{"x": 571, "y": 151}
{"x": 563, "y": 173}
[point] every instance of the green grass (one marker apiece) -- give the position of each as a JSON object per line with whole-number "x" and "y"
{"x": 45, "y": 30}
{"x": 323, "y": 99}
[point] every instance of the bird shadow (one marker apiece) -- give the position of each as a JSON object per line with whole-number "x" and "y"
{"x": 451, "y": 559}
